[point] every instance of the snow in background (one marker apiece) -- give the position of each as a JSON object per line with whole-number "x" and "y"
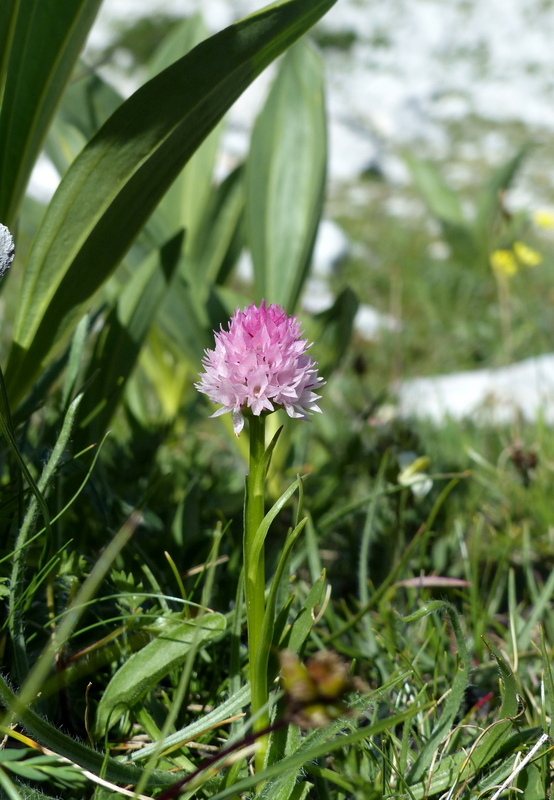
{"x": 414, "y": 66}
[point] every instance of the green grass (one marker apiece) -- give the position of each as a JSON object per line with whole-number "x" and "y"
{"x": 123, "y": 619}
{"x": 486, "y": 523}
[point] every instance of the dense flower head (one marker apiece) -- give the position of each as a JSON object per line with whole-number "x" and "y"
{"x": 260, "y": 364}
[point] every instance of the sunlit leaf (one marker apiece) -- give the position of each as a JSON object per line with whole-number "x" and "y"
{"x": 145, "y": 669}
{"x": 285, "y": 178}
{"x": 118, "y": 179}
{"x": 46, "y": 43}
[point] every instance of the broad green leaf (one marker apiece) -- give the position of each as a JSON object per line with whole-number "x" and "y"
{"x": 180, "y": 40}
{"x": 186, "y": 322}
{"x": 285, "y": 176}
{"x": 532, "y": 783}
{"x": 113, "y": 186}
{"x": 145, "y": 669}
{"x": 8, "y": 18}
{"x": 63, "y": 144}
{"x": 219, "y": 237}
{"x": 88, "y": 102}
{"x": 47, "y": 39}
{"x": 124, "y": 332}
{"x": 185, "y": 203}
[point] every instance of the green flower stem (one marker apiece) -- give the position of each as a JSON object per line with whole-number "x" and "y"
{"x": 254, "y": 586}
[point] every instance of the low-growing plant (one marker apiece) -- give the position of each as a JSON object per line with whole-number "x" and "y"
{"x": 351, "y": 607}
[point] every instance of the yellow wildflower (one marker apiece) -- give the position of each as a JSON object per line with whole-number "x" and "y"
{"x": 504, "y": 262}
{"x": 526, "y": 255}
{"x": 543, "y": 218}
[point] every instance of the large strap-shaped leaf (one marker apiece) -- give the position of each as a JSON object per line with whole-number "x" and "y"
{"x": 184, "y": 205}
{"x": 116, "y": 182}
{"x": 8, "y": 16}
{"x": 285, "y": 177}
{"x": 119, "y": 345}
{"x": 40, "y": 41}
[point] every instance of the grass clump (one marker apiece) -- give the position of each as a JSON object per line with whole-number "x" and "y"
{"x": 372, "y": 617}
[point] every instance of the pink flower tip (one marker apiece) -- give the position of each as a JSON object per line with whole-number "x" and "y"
{"x": 259, "y": 365}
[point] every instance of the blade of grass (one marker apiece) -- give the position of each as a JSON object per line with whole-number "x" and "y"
{"x": 17, "y": 581}
{"x": 365, "y": 545}
{"x": 444, "y": 725}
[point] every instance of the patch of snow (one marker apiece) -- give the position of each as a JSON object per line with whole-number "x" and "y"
{"x": 439, "y": 250}
{"x": 44, "y": 180}
{"x": 331, "y": 247}
{"x": 317, "y": 296}
{"x": 412, "y": 67}
{"x": 525, "y": 388}
{"x": 244, "y": 269}
{"x": 352, "y": 151}
{"x": 369, "y": 322}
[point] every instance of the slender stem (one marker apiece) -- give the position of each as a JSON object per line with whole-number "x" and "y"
{"x": 254, "y": 585}
{"x": 505, "y": 316}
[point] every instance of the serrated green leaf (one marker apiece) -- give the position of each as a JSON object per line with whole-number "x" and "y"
{"x": 75, "y": 359}
{"x": 145, "y": 669}
{"x": 113, "y": 186}
{"x": 285, "y": 176}
{"x": 26, "y": 771}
